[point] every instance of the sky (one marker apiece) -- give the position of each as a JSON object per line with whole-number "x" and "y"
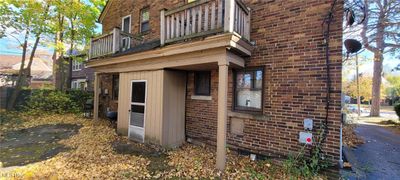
{"x": 10, "y": 46}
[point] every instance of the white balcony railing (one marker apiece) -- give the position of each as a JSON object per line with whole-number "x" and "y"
{"x": 110, "y": 43}
{"x": 205, "y": 17}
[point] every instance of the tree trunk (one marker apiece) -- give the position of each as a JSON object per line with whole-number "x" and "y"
{"x": 376, "y": 85}
{"x": 28, "y": 68}
{"x": 21, "y": 75}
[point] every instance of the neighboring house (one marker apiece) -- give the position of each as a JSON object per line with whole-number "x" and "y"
{"x": 41, "y": 71}
{"x": 75, "y": 74}
{"x": 82, "y": 77}
{"x": 243, "y": 75}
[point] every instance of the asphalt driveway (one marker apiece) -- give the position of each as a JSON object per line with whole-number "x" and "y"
{"x": 34, "y": 144}
{"x": 378, "y": 158}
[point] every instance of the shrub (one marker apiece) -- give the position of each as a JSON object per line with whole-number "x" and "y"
{"x": 305, "y": 166}
{"x": 80, "y": 97}
{"x": 51, "y": 101}
{"x": 397, "y": 109}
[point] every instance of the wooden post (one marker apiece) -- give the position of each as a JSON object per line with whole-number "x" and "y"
{"x": 229, "y": 15}
{"x": 116, "y": 40}
{"x": 162, "y": 27}
{"x": 247, "y": 25}
{"x": 96, "y": 96}
{"x": 222, "y": 114}
{"x": 90, "y": 48}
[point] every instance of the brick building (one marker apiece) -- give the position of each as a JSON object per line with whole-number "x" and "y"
{"x": 242, "y": 74}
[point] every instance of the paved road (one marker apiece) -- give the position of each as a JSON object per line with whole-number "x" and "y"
{"x": 379, "y": 157}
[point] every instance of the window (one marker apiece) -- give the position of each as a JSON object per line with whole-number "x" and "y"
{"x": 79, "y": 84}
{"x": 202, "y": 83}
{"x": 144, "y": 20}
{"x": 76, "y": 65}
{"x": 249, "y": 89}
{"x": 126, "y": 27}
{"x": 115, "y": 87}
{"x": 126, "y": 24}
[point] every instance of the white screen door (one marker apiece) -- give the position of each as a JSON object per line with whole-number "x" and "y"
{"x": 137, "y": 110}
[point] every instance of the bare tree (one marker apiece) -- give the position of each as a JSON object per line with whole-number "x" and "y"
{"x": 380, "y": 35}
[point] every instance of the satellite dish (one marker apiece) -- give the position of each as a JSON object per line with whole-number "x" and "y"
{"x": 352, "y": 45}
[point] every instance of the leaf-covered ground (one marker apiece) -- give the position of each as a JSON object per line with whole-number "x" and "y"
{"x": 92, "y": 155}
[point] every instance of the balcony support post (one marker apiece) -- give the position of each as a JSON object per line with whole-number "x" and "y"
{"x": 162, "y": 27}
{"x": 223, "y": 67}
{"x": 229, "y": 15}
{"x": 116, "y": 40}
{"x": 97, "y": 91}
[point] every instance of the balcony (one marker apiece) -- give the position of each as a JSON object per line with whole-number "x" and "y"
{"x": 197, "y": 19}
{"x": 110, "y": 43}
{"x": 205, "y": 17}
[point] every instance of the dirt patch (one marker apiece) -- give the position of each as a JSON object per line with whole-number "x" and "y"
{"x": 157, "y": 156}
{"x": 34, "y": 144}
{"x": 349, "y": 136}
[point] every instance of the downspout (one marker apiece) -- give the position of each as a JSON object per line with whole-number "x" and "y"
{"x": 326, "y": 25}
{"x": 341, "y": 144}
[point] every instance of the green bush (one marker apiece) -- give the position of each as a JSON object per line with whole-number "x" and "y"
{"x": 397, "y": 109}
{"x": 52, "y": 101}
{"x": 80, "y": 97}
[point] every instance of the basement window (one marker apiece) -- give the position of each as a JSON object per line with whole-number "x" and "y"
{"x": 202, "y": 83}
{"x": 249, "y": 89}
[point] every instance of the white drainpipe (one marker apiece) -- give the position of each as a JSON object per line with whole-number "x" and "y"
{"x": 341, "y": 143}
{"x": 343, "y": 119}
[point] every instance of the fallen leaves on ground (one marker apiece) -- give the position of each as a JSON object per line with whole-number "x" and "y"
{"x": 349, "y": 136}
{"x": 91, "y": 156}
{"x": 199, "y": 162}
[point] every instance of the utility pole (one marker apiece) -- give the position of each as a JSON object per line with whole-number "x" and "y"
{"x": 358, "y": 88}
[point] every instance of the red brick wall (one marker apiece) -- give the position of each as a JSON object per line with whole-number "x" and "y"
{"x": 122, "y": 8}
{"x": 289, "y": 44}
{"x": 106, "y": 101}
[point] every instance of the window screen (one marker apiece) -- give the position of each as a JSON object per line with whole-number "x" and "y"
{"x": 138, "y": 92}
{"x": 137, "y": 115}
{"x": 248, "y": 89}
{"x": 202, "y": 83}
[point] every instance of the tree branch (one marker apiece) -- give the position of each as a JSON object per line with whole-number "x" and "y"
{"x": 364, "y": 31}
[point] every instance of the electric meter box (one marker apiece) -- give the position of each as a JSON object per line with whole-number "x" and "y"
{"x": 305, "y": 138}
{"x": 308, "y": 124}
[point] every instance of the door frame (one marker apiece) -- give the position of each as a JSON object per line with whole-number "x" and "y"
{"x": 142, "y": 104}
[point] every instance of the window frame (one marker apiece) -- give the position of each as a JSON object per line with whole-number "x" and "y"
{"x": 76, "y": 66}
{"x": 195, "y": 84}
{"x": 252, "y": 110}
{"x": 130, "y": 23}
{"x": 113, "y": 87}
{"x": 141, "y": 19}
{"x": 76, "y": 84}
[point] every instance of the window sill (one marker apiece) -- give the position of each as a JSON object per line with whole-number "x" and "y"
{"x": 249, "y": 115}
{"x": 206, "y": 98}
{"x": 143, "y": 33}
